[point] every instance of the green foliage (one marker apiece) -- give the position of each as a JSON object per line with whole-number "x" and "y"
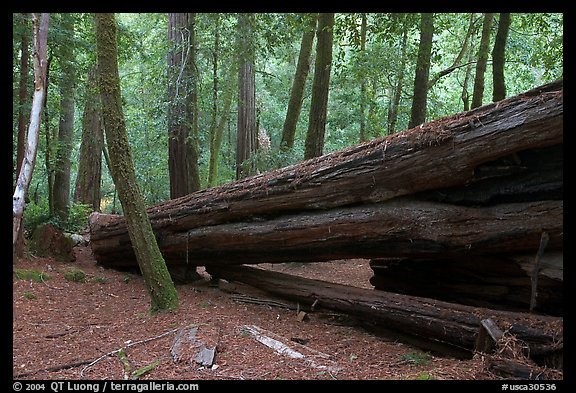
{"x": 31, "y": 275}
{"x": 417, "y": 358}
{"x": 38, "y": 214}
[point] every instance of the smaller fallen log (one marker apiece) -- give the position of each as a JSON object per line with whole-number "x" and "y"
{"x": 453, "y": 324}
{"x": 493, "y": 281}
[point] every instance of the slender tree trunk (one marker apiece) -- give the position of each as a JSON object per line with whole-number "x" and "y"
{"x": 299, "y": 83}
{"x": 214, "y": 111}
{"x": 182, "y": 151}
{"x": 395, "y": 103}
{"x": 158, "y": 281}
{"x": 478, "y": 94}
{"x": 419, "y": 101}
{"x": 87, "y": 189}
{"x": 66, "y": 127}
{"x": 246, "y": 127}
{"x": 22, "y": 95}
{"x": 216, "y": 142}
{"x": 456, "y": 63}
{"x": 40, "y": 39}
{"x": 314, "y": 144}
{"x": 48, "y": 161}
{"x": 499, "y": 57}
{"x": 363, "y": 82}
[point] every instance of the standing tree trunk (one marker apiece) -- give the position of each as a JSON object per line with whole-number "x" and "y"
{"x": 299, "y": 83}
{"x": 22, "y": 95}
{"x": 182, "y": 150}
{"x": 478, "y": 94}
{"x": 40, "y": 40}
{"x": 395, "y": 103}
{"x": 158, "y": 281}
{"x": 499, "y": 57}
{"x": 50, "y": 136}
{"x": 314, "y": 145}
{"x": 246, "y": 127}
{"x": 419, "y": 101}
{"x": 66, "y": 128}
{"x": 363, "y": 80}
{"x": 87, "y": 188}
{"x": 216, "y": 139}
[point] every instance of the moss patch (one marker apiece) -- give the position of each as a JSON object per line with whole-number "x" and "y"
{"x": 32, "y": 275}
{"x": 75, "y": 275}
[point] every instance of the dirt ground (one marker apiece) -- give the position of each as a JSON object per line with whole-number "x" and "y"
{"x": 74, "y": 330}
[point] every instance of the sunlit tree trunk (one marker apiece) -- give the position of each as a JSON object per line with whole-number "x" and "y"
{"x": 478, "y": 94}
{"x": 87, "y": 189}
{"x": 182, "y": 114}
{"x": 40, "y": 39}
{"x": 419, "y": 101}
{"x": 314, "y": 144}
{"x": 61, "y": 190}
{"x": 246, "y": 126}
{"x": 151, "y": 262}
{"x": 299, "y": 83}
{"x": 499, "y": 57}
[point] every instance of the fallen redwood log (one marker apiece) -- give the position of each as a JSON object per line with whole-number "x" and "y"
{"x": 442, "y": 153}
{"x": 493, "y": 281}
{"x": 453, "y": 324}
{"x": 402, "y": 227}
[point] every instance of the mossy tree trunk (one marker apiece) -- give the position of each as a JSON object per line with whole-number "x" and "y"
{"x": 419, "y": 101}
{"x": 483, "y": 52}
{"x": 22, "y": 94}
{"x": 499, "y": 57}
{"x": 299, "y": 83}
{"x": 158, "y": 281}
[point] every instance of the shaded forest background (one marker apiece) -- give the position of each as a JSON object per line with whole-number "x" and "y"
{"x": 185, "y": 78}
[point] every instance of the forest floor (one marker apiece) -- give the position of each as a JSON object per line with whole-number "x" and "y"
{"x": 63, "y": 330}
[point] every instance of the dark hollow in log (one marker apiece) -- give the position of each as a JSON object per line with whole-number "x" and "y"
{"x": 494, "y": 281}
{"x": 449, "y": 323}
{"x": 441, "y": 154}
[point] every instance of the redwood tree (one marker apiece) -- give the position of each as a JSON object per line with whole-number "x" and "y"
{"x": 156, "y": 276}
{"x": 314, "y": 144}
{"x": 419, "y": 101}
{"x": 182, "y": 113}
{"x": 246, "y": 126}
{"x": 87, "y": 189}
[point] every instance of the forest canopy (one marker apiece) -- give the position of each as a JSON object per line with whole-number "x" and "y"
{"x": 188, "y": 70}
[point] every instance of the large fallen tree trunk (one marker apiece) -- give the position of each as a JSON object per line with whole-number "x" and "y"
{"x": 449, "y": 323}
{"x": 402, "y": 228}
{"x": 494, "y": 281}
{"x": 440, "y": 154}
